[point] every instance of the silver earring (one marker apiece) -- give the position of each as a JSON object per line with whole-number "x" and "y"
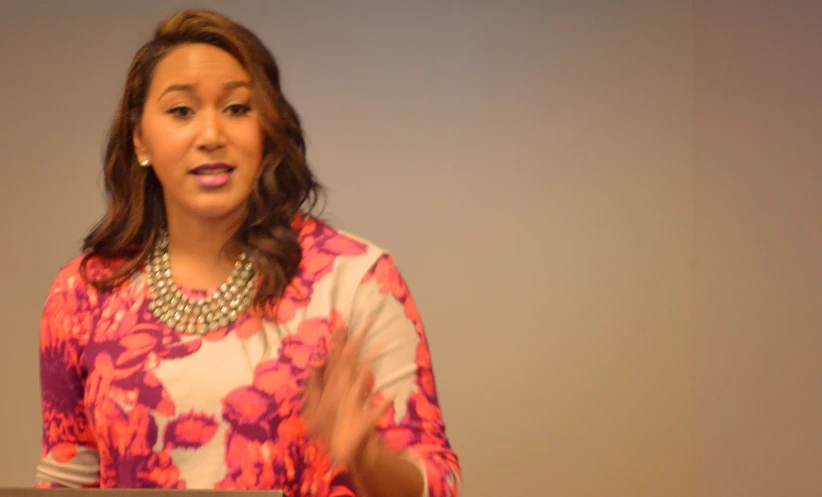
{"x": 144, "y": 162}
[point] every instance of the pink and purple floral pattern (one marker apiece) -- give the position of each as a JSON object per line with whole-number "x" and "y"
{"x": 107, "y": 389}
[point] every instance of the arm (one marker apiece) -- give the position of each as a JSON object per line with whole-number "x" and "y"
{"x": 411, "y": 456}
{"x": 69, "y": 457}
{"x": 381, "y": 471}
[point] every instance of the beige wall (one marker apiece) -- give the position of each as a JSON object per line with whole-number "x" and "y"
{"x": 531, "y": 164}
{"x": 758, "y": 276}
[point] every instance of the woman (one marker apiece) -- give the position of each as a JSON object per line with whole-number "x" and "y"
{"x": 214, "y": 334}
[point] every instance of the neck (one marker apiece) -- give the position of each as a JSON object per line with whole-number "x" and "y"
{"x": 202, "y": 251}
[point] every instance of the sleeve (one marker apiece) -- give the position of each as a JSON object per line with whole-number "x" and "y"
{"x": 414, "y": 424}
{"x": 69, "y": 456}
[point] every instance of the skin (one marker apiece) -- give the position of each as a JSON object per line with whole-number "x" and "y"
{"x": 199, "y": 110}
{"x": 339, "y": 415}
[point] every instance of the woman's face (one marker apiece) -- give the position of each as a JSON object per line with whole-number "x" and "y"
{"x": 200, "y": 133}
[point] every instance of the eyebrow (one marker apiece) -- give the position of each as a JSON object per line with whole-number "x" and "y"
{"x": 228, "y": 85}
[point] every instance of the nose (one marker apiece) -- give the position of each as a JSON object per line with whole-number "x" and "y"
{"x": 211, "y": 134}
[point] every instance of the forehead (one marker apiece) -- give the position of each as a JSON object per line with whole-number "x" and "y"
{"x": 197, "y": 64}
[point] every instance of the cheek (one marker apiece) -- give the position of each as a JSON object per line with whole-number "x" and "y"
{"x": 168, "y": 148}
{"x": 170, "y": 144}
{"x": 250, "y": 144}
{"x": 166, "y": 143}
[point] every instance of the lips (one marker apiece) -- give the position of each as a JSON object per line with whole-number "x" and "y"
{"x": 212, "y": 176}
{"x": 212, "y": 169}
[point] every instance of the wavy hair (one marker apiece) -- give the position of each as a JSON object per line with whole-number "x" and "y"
{"x": 285, "y": 187}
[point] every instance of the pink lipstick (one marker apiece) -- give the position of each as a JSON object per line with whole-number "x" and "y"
{"x": 212, "y": 175}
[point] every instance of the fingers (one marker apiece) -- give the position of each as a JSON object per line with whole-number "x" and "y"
{"x": 336, "y": 345}
{"x": 359, "y": 334}
{"x": 353, "y": 346}
{"x": 359, "y": 404}
{"x": 337, "y": 393}
{"x": 374, "y": 351}
{"x": 378, "y": 411}
{"x": 344, "y": 352}
{"x": 311, "y": 400}
{"x": 362, "y": 385}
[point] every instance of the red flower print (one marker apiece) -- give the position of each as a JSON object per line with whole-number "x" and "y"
{"x": 254, "y": 464}
{"x": 63, "y": 452}
{"x": 248, "y": 327}
{"x": 160, "y": 471}
{"x": 265, "y": 428}
{"x": 421, "y": 407}
{"x": 309, "y": 344}
{"x": 140, "y": 433}
{"x": 426, "y": 382}
{"x": 125, "y": 364}
{"x": 341, "y": 488}
{"x": 321, "y": 246}
{"x": 423, "y": 352}
{"x": 126, "y": 449}
{"x": 292, "y": 428}
{"x": 65, "y": 323}
{"x": 98, "y": 268}
{"x": 269, "y": 379}
{"x": 67, "y": 313}
{"x": 189, "y": 431}
{"x": 248, "y": 411}
{"x": 387, "y": 276}
{"x": 254, "y": 468}
{"x": 297, "y": 294}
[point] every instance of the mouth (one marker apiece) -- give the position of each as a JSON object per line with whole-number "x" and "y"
{"x": 212, "y": 169}
{"x": 212, "y": 176}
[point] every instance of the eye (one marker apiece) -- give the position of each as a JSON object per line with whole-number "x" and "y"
{"x": 238, "y": 109}
{"x": 180, "y": 111}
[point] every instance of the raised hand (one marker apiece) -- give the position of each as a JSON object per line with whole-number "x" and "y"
{"x": 338, "y": 407}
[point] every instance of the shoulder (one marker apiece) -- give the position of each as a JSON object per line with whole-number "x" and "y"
{"x": 73, "y": 277}
{"x": 332, "y": 250}
{"x": 66, "y": 305}
{"x": 358, "y": 276}
{"x": 350, "y": 260}
{"x": 69, "y": 275}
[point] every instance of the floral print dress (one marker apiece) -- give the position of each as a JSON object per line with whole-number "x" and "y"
{"x": 129, "y": 403}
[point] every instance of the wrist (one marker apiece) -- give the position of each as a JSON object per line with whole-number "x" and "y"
{"x": 369, "y": 456}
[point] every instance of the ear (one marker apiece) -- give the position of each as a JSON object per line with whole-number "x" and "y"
{"x": 139, "y": 145}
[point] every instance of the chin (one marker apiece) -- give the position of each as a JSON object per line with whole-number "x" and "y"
{"x": 218, "y": 211}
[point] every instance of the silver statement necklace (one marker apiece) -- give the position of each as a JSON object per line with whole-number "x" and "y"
{"x": 197, "y": 316}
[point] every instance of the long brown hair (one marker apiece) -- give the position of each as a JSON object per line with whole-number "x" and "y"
{"x": 286, "y": 186}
